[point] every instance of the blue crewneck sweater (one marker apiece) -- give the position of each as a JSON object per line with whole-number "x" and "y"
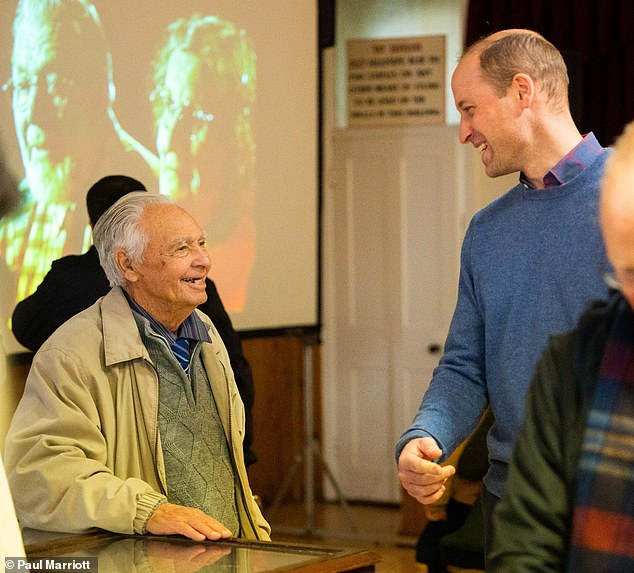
{"x": 530, "y": 262}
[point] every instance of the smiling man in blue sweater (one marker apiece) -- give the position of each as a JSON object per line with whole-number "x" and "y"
{"x": 530, "y": 260}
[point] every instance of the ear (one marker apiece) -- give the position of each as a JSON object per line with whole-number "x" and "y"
{"x": 523, "y": 88}
{"x": 126, "y": 266}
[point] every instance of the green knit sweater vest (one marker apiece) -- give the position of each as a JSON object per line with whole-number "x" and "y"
{"x": 198, "y": 461}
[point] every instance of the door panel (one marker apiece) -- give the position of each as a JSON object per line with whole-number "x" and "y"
{"x": 394, "y": 222}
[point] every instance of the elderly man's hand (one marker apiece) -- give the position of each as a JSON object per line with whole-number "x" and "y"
{"x": 423, "y": 479}
{"x": 170, "y": 519}
{"x": 168, "y": 557}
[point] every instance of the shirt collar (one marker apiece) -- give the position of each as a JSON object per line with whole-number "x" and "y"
{"x": 192, "y": 327}
{"x": 573, "y": 163}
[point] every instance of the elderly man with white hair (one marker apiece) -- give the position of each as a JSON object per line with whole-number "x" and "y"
{"x": 131, "y": 420}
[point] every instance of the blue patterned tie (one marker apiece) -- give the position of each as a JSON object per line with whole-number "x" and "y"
{"x": 180, "y": 348}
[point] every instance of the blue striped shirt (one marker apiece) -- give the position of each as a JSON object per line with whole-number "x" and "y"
{"x": 192, "y": 328}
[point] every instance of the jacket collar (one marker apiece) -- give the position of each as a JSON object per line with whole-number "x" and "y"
{"x": 121, "y": 338}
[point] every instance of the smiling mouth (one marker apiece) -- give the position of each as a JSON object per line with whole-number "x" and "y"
{"x": 195, "y": 281}
{"x": 481, "y": 148}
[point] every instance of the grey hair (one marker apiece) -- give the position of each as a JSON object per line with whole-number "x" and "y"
{"x": 120, "y": 228}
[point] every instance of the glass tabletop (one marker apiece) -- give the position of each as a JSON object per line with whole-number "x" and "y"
{"x": 113, "y": 553}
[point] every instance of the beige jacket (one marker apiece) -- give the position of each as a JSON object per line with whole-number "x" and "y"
{"x": 83, "y": 449}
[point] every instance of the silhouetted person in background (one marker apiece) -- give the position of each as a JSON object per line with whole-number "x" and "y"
{"x": 454, "y": 534}
{"x": 75, "y": 282}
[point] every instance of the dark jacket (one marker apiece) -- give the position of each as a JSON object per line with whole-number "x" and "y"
{"x": 533, "y": 521}
{"x": 75, "y": 282}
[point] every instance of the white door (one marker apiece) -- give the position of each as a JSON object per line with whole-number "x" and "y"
{"x": 394, "y": 210}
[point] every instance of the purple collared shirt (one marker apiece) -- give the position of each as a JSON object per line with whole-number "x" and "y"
{"x": 575, "y": 161}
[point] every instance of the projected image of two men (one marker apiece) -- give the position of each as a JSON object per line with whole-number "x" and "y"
{"x": 188, "y": 135}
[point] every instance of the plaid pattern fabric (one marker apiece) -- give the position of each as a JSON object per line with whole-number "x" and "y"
{"x": 603, "y": 522}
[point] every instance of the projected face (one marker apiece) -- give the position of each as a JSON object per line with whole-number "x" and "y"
{"x": 204, "y": 82}
{"x": 60, "y": 89}
{"x": 58, "y": 80}
{"x": 184, "y": 130}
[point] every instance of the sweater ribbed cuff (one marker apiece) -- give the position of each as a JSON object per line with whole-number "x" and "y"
{"x": 146, "y": 506}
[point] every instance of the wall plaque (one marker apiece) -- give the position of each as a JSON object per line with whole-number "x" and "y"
{"x": 396, "y": 82}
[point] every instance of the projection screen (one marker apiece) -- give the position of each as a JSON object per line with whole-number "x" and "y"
{"x": 211, "y": 102}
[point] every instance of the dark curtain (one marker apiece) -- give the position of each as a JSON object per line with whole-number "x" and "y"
{"x": 596, "y": 40}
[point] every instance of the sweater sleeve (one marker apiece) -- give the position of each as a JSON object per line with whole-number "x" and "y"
{"x": 456, "y": 398}
{"x": 58, "y": 461}
{"x": 532, "y": 521}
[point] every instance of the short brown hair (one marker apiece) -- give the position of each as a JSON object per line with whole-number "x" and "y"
{"x": 509, "y": 52}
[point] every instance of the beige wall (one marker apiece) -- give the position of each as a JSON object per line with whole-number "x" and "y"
{"x": 13, "y": 372}
{"x": 486, "y": 189}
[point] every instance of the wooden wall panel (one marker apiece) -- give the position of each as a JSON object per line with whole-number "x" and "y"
{"x": 278, "y": 413}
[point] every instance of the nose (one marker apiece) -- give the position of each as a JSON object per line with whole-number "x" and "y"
{"x": 465, "y": 131}
{"x": 201, "y": 256}
{"x": 45, "y": 107}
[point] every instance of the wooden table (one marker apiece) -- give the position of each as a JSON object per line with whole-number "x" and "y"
{"x": 117, "y": 553}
